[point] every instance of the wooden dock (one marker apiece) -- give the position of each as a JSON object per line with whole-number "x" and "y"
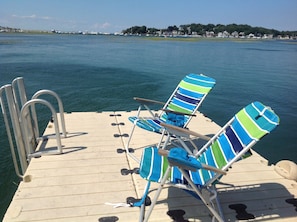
{"x": 76, "y": 185}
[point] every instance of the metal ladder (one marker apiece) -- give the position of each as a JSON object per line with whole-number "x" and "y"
{"x": 23, "y": 122}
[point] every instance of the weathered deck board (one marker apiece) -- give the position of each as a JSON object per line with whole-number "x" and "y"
{"x": 76, "y": 185}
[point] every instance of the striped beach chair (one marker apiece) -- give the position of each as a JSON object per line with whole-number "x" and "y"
{"x": 202, "y": 171}
{"x": 179, "y": 108}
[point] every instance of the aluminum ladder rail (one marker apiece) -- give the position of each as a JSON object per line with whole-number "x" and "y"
{"x": 16, "y": 128}
{"x": 26, "y": 131}
{"x": 20, "y": 95}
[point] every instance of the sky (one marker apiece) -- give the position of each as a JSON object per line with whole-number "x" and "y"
{"x": 110, "y": 16}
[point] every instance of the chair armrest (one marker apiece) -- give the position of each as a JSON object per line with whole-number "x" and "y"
{"x": 178, "y": 113}
{"x": 148, "y": 101}
{"x": 187, "y": 167}
{"x": 184, "y": 131}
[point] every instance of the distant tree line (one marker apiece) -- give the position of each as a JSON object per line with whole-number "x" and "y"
{"x": 200, "y": 29}
{"x": 8, "y": 29}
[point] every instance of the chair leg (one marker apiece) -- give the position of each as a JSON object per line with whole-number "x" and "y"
{"x": 130, "y": 137}
{"x": 142, "y": 202}
{"x": 128, "y": 143}
{"x": 161, "y": 140}
{"x": 169, "y": 140}
{"x": 162, "y": 144}
{"x": 158, "y": 192}
{"x": 207, "y": 203}
{"x": 142, "y": 208}
{"x": 218, "y": 204}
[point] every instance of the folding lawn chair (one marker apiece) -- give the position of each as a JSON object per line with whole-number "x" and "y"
{"x": 201, "y": 172}
{"x": 178, "y": 110}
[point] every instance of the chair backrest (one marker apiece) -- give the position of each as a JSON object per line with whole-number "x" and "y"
{"x": 247, "y": 127}
{"x": 188, "y": 95}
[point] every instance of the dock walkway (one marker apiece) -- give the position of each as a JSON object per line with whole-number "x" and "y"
{"x": 76, "y": 185}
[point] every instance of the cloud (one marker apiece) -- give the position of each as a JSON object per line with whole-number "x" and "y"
{"x": 35, "y": 21}
{"x": 32, "y": 17}
{"x": 105, "y": 25}
{"x": 101, "y": 26}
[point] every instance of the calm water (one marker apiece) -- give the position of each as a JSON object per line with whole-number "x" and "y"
{"x": 103, "y": 73}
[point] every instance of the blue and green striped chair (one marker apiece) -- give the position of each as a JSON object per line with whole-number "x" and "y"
{"x": 202, "y": 171}
{"x": 179, "y": 108}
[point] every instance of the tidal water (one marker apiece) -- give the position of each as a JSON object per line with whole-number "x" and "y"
{"x": 104, "y": 73}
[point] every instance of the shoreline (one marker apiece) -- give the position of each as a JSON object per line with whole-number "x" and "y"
{"x": 154, "y": 38}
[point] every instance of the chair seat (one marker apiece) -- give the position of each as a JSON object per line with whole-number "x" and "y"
{"x": 153, "y": 124}
{"x": 153, "y": 167}
{"x": 148, "y": 124}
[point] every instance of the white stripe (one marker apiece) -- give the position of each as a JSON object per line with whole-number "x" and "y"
{"x": 201, "y": 80}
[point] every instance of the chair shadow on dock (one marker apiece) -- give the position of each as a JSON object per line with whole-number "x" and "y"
{"x": 253, "y": 202}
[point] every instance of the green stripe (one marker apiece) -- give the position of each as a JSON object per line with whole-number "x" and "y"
{"x": 250, "y": 126}
{"x": 218, "y": 155}
{"x": 194, "y": 88}
{"x": 165, "y": 165}
{"x": 178, "y": 109}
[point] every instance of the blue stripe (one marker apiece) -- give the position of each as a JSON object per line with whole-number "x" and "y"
{"x": 198, "y": 83}
{"x": 146, "y": 161}
{"x": 196, "y": 177}
{"x": 262, "y": 122}
{"x": 144, "y": 125}
{"x": 155, "y": 124}
{"x": 268, "y": 113}
{"x": 225, "y": 146}
{"x": 202, "y": 77}
{"x": 151, "y": 160}
{"x": 183, "y": 104}
{"x": 186, "y": 99}
{"x": 191, "y": 94}
{"x": 152, "y": 125}
{"x": 205, "y": 173}
{"x": 177, "y": 176}
{"x": 237, "y": 147}
{"x": 200, "y": 80}
{"x": 165, "y": 116}
{"x": 157, "y": 166}
{"x": 241, "y": 132}
{"x": 209, "y": 156}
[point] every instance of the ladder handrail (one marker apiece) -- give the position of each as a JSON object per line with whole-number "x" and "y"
{"x": 23, "y": 120}
{"x": 60, "y": 105}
